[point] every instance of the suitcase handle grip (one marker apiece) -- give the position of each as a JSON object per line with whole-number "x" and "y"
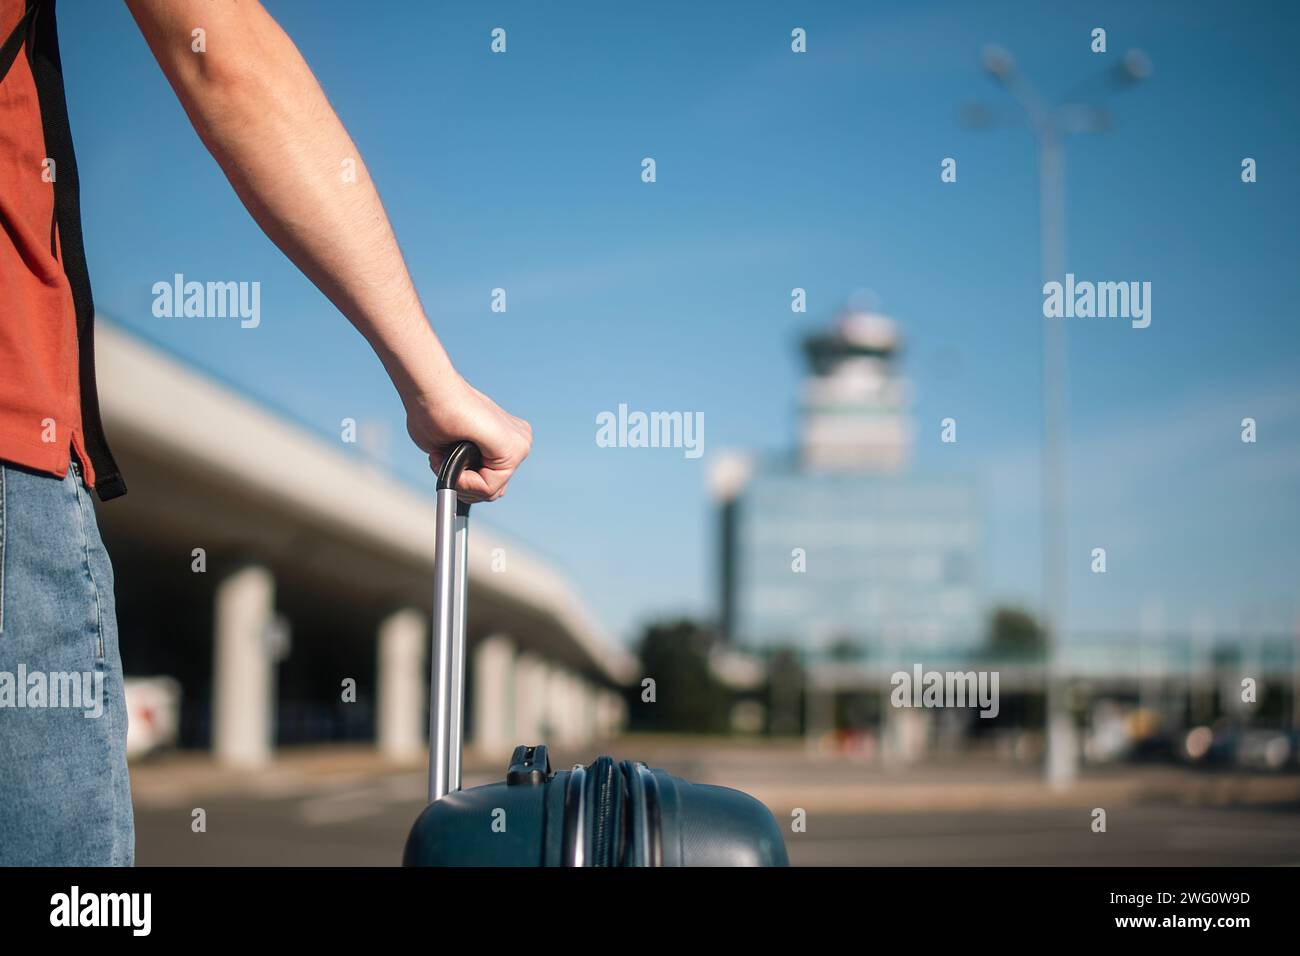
{"x": 464, "y": 455}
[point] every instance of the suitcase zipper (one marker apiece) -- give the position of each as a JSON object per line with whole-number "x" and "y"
{"x": 605, "y": 783}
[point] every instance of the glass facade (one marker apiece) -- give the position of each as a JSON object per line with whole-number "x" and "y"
{"x": 857, "y": 564}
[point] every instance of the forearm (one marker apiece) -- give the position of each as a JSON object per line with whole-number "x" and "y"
{"x": 259, "y": 110}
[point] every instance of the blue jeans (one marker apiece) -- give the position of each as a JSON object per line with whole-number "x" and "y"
{"x": 65, "y": 798}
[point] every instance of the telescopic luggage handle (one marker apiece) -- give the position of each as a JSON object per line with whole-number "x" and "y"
{"x": 447, "y": 667}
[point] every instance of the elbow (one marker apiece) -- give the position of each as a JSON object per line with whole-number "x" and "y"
{"x": 224, "y": 92}
{"x": 229, "y": 75}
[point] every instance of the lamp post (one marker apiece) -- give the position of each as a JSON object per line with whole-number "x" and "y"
{"x": 728, "y": 474}
{"x": 1050, "y": 125}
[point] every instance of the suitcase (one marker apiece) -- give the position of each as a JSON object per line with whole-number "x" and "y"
{"x": 604, "y": 814}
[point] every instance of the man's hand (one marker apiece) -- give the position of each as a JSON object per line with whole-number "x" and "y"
{"x": 259, "y": 110}
{"x": 455, "y": 411}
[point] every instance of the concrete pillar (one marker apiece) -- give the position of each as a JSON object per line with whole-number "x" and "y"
{"x": 609, "y": 710}
{"x": 600, "y": 717}
{"x": 547, "y": 709}
{"x": 530, "y": 699}
{"x": 403, "y": 681}
{"x": 574, "y": 701}
{"x": 494, "y": 685}
{"x": 557, "y": 703}
{"x": 571, "y": 708}
{"x": 584, "y": 709}
{"x": 243, "y": 691}
{"x": 906, "y": 733}
{"x": 553, "y": 708}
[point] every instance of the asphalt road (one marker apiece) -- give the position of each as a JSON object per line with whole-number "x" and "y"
{"x": 1136, "y": 836}
{"x": 365, "y": 824}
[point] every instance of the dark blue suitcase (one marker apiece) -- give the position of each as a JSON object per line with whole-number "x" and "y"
{"x": 603, "y": 814}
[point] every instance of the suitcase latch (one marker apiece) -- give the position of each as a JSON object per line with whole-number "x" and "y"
{"x": 528, "y": 765}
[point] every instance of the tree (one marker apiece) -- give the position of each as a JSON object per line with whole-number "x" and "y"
{"x": 687, "y": 697}
{"x": 1015, "y": 634}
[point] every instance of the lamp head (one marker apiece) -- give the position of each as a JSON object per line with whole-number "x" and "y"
{"x": 998, "y": 62}
{"x": 1134, "y": 67}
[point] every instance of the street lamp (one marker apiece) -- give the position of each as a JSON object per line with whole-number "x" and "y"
{"x": 1078, "y": 112}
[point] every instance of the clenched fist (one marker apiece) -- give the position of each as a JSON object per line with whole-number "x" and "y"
{"x": 451, "y": 411}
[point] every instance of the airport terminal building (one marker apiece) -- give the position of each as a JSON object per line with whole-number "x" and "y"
{"x": 840, "y": 548}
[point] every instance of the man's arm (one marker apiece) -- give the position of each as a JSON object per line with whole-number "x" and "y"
{"x": 259, "y": 110}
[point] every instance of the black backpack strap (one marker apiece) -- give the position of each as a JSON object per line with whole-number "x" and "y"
{"x": 47, "y": 68}
{"x": 9, "y": 51}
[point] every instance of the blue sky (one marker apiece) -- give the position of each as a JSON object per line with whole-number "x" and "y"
{"x": 775, "y": 170}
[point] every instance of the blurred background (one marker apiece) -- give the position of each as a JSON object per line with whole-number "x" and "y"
{"x": 838, "y": 269}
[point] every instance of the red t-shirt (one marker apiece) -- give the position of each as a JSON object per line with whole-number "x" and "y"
{"x": 40, "y": 401}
